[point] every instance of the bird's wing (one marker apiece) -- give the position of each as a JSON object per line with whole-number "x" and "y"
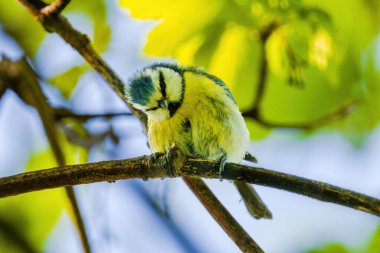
{"x": 215, "y": 80}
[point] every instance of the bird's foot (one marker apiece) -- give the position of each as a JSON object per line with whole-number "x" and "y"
{"x": 222, "y": 162}
{"x": 169, "y": 155}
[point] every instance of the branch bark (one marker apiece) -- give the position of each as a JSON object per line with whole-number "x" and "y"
{"x": 61, "y": 113}
{"x": 222, "y": 216}
{"x": 177, "y": 165}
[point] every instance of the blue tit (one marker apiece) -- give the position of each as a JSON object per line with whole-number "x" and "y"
{"x": 194, "y": 110}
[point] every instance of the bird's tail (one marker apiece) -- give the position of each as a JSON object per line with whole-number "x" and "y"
{"x": 252, "y": 201}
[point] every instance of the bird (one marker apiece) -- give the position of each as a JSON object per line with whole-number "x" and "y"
{"x": 195, "y": 111}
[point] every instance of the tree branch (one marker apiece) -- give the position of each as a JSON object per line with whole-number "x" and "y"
{"x": 158, "y": 166}
{"x": 56, "y": 7}
{"x": 334, "y": 115}
{"x": 264, "y": 36}
{"x": 23, "y": 80}
{"x": 222, "y": 216}
{"x": 61, "y": 113}
{"x": 81, "y": 43}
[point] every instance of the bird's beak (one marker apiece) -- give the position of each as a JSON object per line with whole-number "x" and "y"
{"x": 163, "y": 103}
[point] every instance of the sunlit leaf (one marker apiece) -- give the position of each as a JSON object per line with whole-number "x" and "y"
{"x": 313, "y": 49}
{"x": 240, "y": 50}
{"x": 170, "y": 15}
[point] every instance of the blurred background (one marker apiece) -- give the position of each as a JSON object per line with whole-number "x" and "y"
{"x": 306, "y": 75}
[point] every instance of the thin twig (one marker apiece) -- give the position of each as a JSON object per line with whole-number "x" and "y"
{"x": 264, "y": 36}
{"x": 334, "y": 115}
{"x": 56, "y": 7}
{"x": 222, "y": 216}
{"x": 158, "y": 166}
{"x": 61, "y": 113}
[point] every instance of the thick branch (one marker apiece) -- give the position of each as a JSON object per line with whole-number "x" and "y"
{"x": 156, "y": 166}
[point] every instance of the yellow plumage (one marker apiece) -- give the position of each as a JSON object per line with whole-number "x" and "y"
{"x": 216, "y": 125}
{"x": 196, "y": 112}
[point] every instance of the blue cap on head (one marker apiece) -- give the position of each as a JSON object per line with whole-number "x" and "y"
{"x": 140, "y": 89}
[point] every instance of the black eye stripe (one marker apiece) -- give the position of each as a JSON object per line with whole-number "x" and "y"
{"x": 152, "y": 109}
{"x": 162, "y": 85}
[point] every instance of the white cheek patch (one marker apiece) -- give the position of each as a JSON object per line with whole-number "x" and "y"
{"x": 159, "y": 114}
{"x": 174, "y": 85}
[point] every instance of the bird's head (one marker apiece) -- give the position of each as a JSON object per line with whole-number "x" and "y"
{"x": 157, "y": 90}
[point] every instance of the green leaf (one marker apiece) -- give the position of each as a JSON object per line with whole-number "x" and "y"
{"x": 331, "y": 248}
{"x": 374, "y": 244}
{"x": 257, "y": 131}
{"x": 97, "y": 11}
{"x": 66, "y": 81}
{"x": 21, "y": 25}
{"x": 372, "y": 247}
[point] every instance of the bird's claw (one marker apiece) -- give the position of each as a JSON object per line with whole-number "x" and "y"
{"x": 222, "y": 162}
{"x": 168, "y": 156}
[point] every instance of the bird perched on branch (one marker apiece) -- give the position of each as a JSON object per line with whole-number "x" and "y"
{"x": 194, "y": 110}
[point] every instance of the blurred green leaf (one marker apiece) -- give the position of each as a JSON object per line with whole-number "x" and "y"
{"x": 373, "y": 246}
{"x": 66, "y": 81}
{"x": 331, "y": 248}
{"x": 32, "y": 216}
{"x": 365, "y": 117}
{"x": 97, "y": 11}
{"x": 257, "y": 131}
{"x": 29, "y": 218}
{"x": 17, "y": 22}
